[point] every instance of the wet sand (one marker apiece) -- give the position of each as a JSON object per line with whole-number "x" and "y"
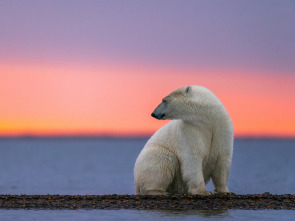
{"x": 214, "y": 202}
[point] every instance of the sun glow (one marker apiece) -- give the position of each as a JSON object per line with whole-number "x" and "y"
{"x": 69, "y": 99}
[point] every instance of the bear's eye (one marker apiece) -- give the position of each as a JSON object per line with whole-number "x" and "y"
{"x": 165, "y": 101}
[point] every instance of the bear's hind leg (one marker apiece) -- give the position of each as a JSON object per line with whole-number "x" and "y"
{"x": 155, "y": 171}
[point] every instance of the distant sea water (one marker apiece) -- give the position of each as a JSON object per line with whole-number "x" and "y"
{"x": 105, "y": 166}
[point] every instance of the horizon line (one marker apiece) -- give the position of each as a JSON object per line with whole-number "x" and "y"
{"x": 127, "y": 136}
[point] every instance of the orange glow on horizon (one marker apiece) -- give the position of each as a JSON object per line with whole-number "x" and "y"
{"x": 45, "y": 100}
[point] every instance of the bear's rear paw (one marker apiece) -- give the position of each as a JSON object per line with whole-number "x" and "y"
{"x": 155, "y": 192}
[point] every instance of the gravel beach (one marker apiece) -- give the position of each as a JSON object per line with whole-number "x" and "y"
{"x": 256, "y": 201}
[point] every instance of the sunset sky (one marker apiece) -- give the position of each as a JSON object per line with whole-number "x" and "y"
{"x": 101, "y": 67}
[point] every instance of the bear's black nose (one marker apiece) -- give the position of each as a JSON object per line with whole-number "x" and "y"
{"x": 159, "y": 117}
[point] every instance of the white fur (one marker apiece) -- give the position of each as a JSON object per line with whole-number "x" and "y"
{"x": 195, "y": 146}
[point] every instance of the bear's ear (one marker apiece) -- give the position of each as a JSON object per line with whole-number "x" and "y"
{"x": 188, "y": 90}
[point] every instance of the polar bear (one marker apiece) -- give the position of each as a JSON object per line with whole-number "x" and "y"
{"x": 182, "y": 156}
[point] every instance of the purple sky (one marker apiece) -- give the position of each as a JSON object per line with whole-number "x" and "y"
{"x": 247, "y": 34}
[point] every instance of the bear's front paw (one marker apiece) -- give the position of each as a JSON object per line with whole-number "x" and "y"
{"x": 221, "y": 189}
{"x": 202, "y": 192}
{"x": 226, "y": 193}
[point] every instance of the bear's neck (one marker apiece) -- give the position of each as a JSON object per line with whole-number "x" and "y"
{"x": 214, "y": 119}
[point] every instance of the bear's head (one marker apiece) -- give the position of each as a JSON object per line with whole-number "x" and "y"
{"x": 188, "y": 103}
